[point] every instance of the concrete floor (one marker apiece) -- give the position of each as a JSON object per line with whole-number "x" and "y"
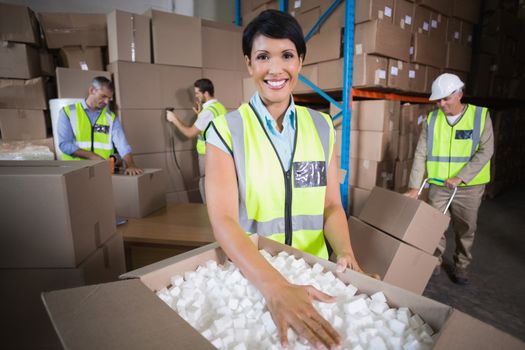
{"x": 496, "y": 290}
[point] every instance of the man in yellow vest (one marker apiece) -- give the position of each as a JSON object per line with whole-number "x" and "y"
{"x": 206, "y": 107}
{"x": 455, "y": 147}
{"x": 88, "y": 129}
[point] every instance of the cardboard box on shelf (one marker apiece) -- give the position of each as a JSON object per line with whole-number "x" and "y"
{"x": 402, "y": 175}
{"x": 305, "y": 5}
{"x": 404, "y": 14}
{"x": 376, "y": 115}
{"x": 429, "y": 51}
{"x": 394, "y": 261}
{"x": 47, "y": 63}
{"x": 357, "y": 199}
{"x": 398, "y": 75}
{"x": 416, "y": 77}
{"x": 441, "y": 6}
{"x": 354, "y": 142}
{"x": 227, "y": 84}
{"x": 128, "y": 305}
{"x": 454, "y": 30}
{"x": 19, "y": 61}
{"x": 422, "y": 18}
{"x": 369, "y": 71}
{"x": 367, "y": 174}
{"x": 22, "y": 124}
{"x": 335, "y": 20}
{"x": 74, "y": 83}
{"x": 331, "y": 75}
{"x": 85, "y": 58}
{"x": 74, "y": 29}
{"x": 308, "y": 19}
{"x": 432, "y": 74}
{"x": 467, "y": 33}
{"x": 382, "y": 38}
{"x": 26, "y": 285}
{"x": 438, "y": 26}
{"x": 458, "y": 57}
{"x": 170, "y": 32}
{"x": 376, "y": 145}
{"x": 181, "y": 168}
{"x": 139, "y": 195}
{"x": 23, "y": 94}
{"x": 129, "y": 37}
{"x": 161, "y": 86}
{"x": 324, "y": 46}
{"x": 405, "y": 218}
{"x": 368, "y": 10}
{"x": 79, "y": 213}
{"x": 19, "y": 24}
{"x": 222, "y": 48}
{"x": 403, "y": 152}
{"x": 148, "y": 131}
{"x": 408, "y": 118}
{"x": 310, "y": 72}
{"x": 467, "y": 10}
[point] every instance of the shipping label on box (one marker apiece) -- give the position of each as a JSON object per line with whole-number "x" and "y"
{"x": 74, "y": 29}
{"x": 129, "y": 37}
{"x": 404, "y": 14}
{"x": 410, "y": 220}
{"x": 398, "y": 77}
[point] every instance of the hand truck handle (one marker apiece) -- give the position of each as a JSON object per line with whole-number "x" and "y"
{"x": 441, "y": 181}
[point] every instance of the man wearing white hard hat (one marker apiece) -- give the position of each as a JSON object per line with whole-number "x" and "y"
{"x": 455, "y": 146}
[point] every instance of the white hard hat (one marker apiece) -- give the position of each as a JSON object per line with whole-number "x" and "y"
{"x": 445, "y": 85}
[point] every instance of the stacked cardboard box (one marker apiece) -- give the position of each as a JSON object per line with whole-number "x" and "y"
{"x": 500, "y": 55}
{"x": 58, "y": 229}
{"x": 23, "y": 100}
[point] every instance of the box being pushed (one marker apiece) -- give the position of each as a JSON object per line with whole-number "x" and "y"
{"x": 128, "y": 315}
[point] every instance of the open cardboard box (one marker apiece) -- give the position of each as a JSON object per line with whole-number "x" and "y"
{"x": 128, "y": 315}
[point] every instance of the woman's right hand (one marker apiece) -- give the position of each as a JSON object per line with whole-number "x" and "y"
{"x": 291, "y": 306}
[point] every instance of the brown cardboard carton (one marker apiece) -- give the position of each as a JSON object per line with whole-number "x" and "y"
{"x": 454, "y": 30}
{"x": 382, "y": 38}
{"x": 404, "y": 14}
{"x": 140, "y": 195}
{"x": 335, "y": 20}
{"x": 458, "y": 57}
{"x": 502, "y": 22}
{"x": 26, "y": 285}
{"x": 47, "y": 63}
{"x": 357, "y": 199}
{"x": 310, "y": 72}
{"x": 148, "y": 131}
{"x": 377, "y": 145}
{"x": 74, "y": 83}
{"x": 23, "y": 94}
{"x": 422, "y": 17}
{"x": 467, "y": 10}
{"x": 408, "y": 119}
{"x": 427, "y": 50}
{"x": 467, "y": 32}
{"x": 403, "y": 152}
{"x": 398, "y": 75}
{"x": 438, "y": 26}
{"x": 22, "y": 124}
{"x": 331, "y": 75}
{"x": 129, "y": 37}
{"x": 402, "y": 175}
{"x": 85, "y": 58}
{"x": 227, "y": 84}
{"x": 222, "y": 48}
{"x": 324, "y": 46}
{"x": 127, "y": 308}
{"x": 410, "y": 220}
{"x": 441, "y": 6}
{"x": 74, "y": 29}
{"x": 396, "y": 262}
{"x": 432, "y": 74}
{"x": 79, "y": 212}
{"x": 181, "y": 168}
{"x": 305, "y": 5}
{"x": 19, "y": 61}
{"x": 368, "y": 10}
{"x": 308, "y": 19}
{"x": 367, "y": 174}
{"x": 354, "y": 142}
{"x": 161, "y": 86}
{"x": 18, "y": 24}
{"x": 376, "y": 115}
{"x": 369, "y": 71}
{"x": 170, "y": 32}
{"x": 416, "y": 77}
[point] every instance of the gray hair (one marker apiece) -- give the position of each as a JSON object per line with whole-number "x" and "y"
{"x": 99, "y": 82}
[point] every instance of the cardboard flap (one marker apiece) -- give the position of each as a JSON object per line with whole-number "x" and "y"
{"x": 462, "y": 331}
{"x": 118, "y": 315}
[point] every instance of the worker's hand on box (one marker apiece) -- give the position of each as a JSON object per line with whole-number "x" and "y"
{"x": 453, "y": 182}
{"x": 170, "y": 116}
{"x": 133, "y": 170}
{"x": 291, "y": 306}
{"x": 412, "y": 193}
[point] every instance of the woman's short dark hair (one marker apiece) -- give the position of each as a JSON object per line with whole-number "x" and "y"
{"x": 204, "y": 85}
{"x": 277, "y": 25}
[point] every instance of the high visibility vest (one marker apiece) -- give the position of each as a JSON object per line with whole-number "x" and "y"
{"x": 449, "y": 148}
{"x": 286, "y": 206}
{"x": 96, "y": 138}
{"x": 217, "y": 109}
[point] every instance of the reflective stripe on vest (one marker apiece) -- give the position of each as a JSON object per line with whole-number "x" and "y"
{"x": 264, "y": 205}
{"x": 447, "y": 147}
{"x": 217, "y": 109}
{"x": 97, "y": 141}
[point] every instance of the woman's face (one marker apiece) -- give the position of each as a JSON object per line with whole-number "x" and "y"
{"x": 274, "y": 66}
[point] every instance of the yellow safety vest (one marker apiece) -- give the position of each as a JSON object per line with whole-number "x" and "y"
{"x": 286, "y": 206}
{"x": 217, "y": 109}
{"x": 96, "y": 138}
{"x": 449, "y": 148}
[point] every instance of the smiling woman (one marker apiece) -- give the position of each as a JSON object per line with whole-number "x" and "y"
{"x": 273, "y": 173}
